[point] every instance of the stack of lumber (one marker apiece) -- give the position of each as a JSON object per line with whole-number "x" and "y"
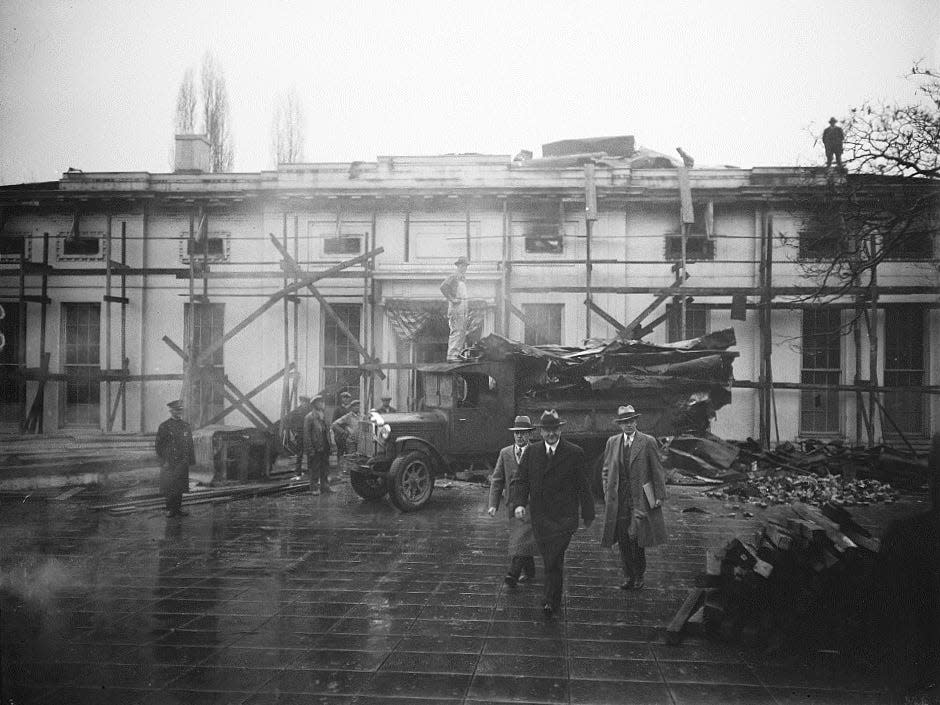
{"x": 802, "y": 578}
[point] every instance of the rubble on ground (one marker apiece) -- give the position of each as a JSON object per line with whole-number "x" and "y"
{"x": 763, "y": 490}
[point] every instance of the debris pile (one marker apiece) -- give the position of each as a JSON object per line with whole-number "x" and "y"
{"x": 802, "y": 578}
{"x": 765, "y": 489}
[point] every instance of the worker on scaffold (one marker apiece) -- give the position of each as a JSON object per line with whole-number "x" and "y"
{"x": 454, "y": 289}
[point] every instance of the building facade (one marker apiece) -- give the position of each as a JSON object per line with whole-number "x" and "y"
{"x": 110, "y": 279}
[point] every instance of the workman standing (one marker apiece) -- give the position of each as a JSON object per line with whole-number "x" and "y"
{"x": 454, "y": 289}
{"x": 832, "y": 138}
{"x": 317, "y": 444}
{"x": 174, "y": 446}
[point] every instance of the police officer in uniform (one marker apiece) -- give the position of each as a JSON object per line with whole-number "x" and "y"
{"x": 174, "y": 446}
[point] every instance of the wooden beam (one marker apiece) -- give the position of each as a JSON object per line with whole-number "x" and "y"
{"x": 291, "y": 266}
{"x": 606, "y": 316}
{"x": 518, "y": 313}
{"x": 650, "y": 327}
{"x": 243, "y": 400}
{"x": 116, "y": 299}
{"x": 266, "y": 383}
{"x": 728, "y": 290}
{"x": 674, "y": 630}
{"x": 663, "y": 296}
{"x": 206, "y": 354}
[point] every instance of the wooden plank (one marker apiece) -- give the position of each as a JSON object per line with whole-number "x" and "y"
{"x": 245, "y": 401}
{"x": 650, "y": 327}
{"x": 206, "y": 354}
{"x": 116, "y": 299}
{"x": 606, "y": 316}
{"x": 674, "y": 630}
{"x": 68, "y": 494}
{"x": 266, "y": 383}
{"x": 657, "y": 302}
{"x": 293, "y": 268}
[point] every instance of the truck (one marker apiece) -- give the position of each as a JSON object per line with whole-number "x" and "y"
{"x": 465, "y": 408}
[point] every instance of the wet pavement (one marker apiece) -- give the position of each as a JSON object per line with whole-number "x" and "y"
{"x": 329, "y": 599}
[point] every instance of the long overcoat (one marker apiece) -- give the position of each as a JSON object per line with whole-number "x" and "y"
{"x": 554, "y": 493}
{"x": 175, "y": 448}
{"x": 521, "y": 540}
{"x": 645, "y": 467}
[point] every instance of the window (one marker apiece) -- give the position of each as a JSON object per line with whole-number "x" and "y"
{"x": 905, "y": 335}
{"x": 343, "y": 245}
{"x": 209, "y": 386}
{"x": 913, "y": 244}
{"x": 696, "y": 322}
{"x": 340, "y": 357}
{"x": 822, "y": 236}
{"x": 88, "y": 246}
{"x": 11, "y": 349}
{"x": 12, "y": 245}
{"x": 442, "y": 240}
{"x": 821, "y": 364}
{"x": 697, "y": 248}
{"x": 82, "y": 362}
{"x": 217, "y": 244}
{"x": 543, "y": 323}
{"x": 544, "y": 238}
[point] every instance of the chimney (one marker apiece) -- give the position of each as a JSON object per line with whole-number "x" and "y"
{"x": 192, "y": 154}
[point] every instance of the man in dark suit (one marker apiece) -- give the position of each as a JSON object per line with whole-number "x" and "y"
{"x": 634, "y": 491}
{"x": 174, "y": 446}
{"x": 552, "y": 482}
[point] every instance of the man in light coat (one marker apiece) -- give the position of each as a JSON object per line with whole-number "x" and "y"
{"x": 521, "y": 542}
{"x": 552, "y": 483}
{"x": 634, "y": 492}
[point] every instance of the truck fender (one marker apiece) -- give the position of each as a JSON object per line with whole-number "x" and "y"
{"x": 403, "y": 444}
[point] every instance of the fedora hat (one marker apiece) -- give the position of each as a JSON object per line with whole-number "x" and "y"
{"x": 627, "y": 413}
{"x": 521, "y": 423}
{"x": 461, "y": 260}
{"x": 549, "y": 419}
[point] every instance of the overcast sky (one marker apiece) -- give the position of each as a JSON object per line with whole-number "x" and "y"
{"x": 92, "y": 84}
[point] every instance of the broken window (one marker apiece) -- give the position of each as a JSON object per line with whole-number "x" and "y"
{"x": 86, "y": 245}
{"x": 821, "y": 364}
{"x": 544, "y": 238}
{"x": 12, "y": 246}
{"x": 822, "y": 236}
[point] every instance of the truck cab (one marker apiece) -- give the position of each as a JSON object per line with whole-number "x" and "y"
{"x": 461, "y": 418}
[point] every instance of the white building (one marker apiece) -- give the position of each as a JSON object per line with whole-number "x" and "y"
{"x": 96, "y": 269}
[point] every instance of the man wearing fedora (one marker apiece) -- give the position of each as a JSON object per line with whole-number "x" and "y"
{"x": 634, "y": 491}
{"x": 552, "y": 482}
{"x": 317, "y": 444}
{"x": 174, "y": 447}
{"x": 454, "y": 289}
{"x": 521, "y": 541}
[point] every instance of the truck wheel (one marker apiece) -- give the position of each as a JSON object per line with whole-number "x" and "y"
{"x": 411, "y": 481}
{"x": 368, "y": 487}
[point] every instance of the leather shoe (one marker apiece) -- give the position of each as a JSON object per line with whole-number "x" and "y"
{"x": 510, "y": 580}
{"x": 639, "y": 584}
{"x": 628, "y": 585}
{"x": 525, "y": 578}
{"x": 547, "y": 610}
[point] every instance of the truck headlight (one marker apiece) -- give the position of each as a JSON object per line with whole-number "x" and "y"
{"x": 383, "y": 432}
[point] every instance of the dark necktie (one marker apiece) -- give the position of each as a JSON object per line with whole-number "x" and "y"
{"x": 518, "y": 455}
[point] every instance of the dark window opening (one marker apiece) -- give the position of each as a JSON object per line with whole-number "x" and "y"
{"x": 905, "y": 366}
{"x": 216, "y": 247}
{"x": 12, "y": 246}
{"x": 545, "y": 238}
{"x": 911, "y": 245}
{"x": 11, "y": 351}
{"x": 343, "y": 245}
{"x": 822, "y": 237}
{"x": 696, "y": 248}
{"x": 82, "y": 363}
{"x": 82, "y": 246}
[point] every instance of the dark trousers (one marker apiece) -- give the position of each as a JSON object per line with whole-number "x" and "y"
{"x": 300, "y": 454}
{"x": 522, "y": 564}
{"x": 631, "y": 553}
{"x": 830, "y": 154}
{"x": 318, "y": 465}
{"x": 174, "y": 501}
{"x": 553, "y": 556}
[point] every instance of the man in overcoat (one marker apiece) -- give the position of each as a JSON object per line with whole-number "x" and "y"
{"x": 521, "y": 541}
{"x": 634, "y": 492}
{"x": 317, "y": 444}
{"x": 552, "y": 482}
{"x": 174, "y": 446}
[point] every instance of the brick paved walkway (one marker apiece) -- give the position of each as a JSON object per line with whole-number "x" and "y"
{"x": 302, "y": 599}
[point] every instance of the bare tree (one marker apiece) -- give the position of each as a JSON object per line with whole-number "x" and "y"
{"x": 215, "y": 114}
{"x": 881, "y": 207}
{"x": 287, "y": 128}
{"x": 185, "y": 121}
